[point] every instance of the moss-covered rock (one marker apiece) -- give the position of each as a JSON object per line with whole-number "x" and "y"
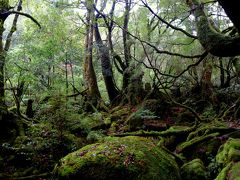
{"x": 119, "y": 158}
{"x": 194, "y": 170}
{"x": 230, "y": 172}
{"x": 228, "y": 152}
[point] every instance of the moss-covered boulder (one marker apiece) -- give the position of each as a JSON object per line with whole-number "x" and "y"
{"x": 228, "y": 152}
{"x": 194, "y": 170}
{"x": 230, "y": 172}
{"x": 119, "y": 158}
{"x": 229, "y": 157}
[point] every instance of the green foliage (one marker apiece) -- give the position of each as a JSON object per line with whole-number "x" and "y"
{"x": 94, "y": 136}
{"x": 135, "y": 120}
{"x": 42, "y": 147}
{"x": 144, "y": 113}
{"x": 213, "y": 167}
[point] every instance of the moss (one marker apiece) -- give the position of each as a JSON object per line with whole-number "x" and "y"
{"x": 194, "y": 170}
{"x": 223, "y": 174}
{"x": 234, "y": 173}
{"x": 118, "y": 158}
{"x": 185, "y": 146}
{"x": 216, "y": 43}
{"x": 230, "y": 151}
{"x": 230, "y": 172}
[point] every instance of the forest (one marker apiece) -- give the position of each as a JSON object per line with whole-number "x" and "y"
{"x": 120, "y": 89}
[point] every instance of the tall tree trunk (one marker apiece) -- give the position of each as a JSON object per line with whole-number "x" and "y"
{"x": 222, "y": 74}
{"x": 93, "y": 94}
{"x": 126, "y": 44}
{"x": 2, "y": 77}
{"x": 119, "y": 64}
{"x": 106, "y": 66}
{"x": 4, "y": 7}
{"x": 207, "y": 86}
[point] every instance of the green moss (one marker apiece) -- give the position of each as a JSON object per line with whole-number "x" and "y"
{"x": 234, "y": 173}
{"x": 185, "y": 146}
{"x": 223, "y": 174}
{"x": 216, "y": 43}
{"x": 194, "y": 170}
{"x": 230, "y": 151}
{"x": 119, "y": 158}
{"x": 230, "y": 172}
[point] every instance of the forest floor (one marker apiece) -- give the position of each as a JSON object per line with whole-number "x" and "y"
{"x": 194, "y": 128}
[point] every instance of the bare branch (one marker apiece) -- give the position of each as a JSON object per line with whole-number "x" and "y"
{"x": 165, "y": 22}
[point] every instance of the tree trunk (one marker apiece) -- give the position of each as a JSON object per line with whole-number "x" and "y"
{"x": 126, "y": 44}
{"x": 106, "y": 66}
{"x": 214, "y": 42}
{"x": 93, "y": 94}
{"x": 4, "y": 6}
{"x": 207, "y": 86}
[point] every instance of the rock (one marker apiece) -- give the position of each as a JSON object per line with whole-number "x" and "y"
{"x": 194, "y": 170}
{"x": 230, "y": 172}
{"x": 119, "y": 158}
{"x": 228, "y": 152}
{"x": 229, "y": 156}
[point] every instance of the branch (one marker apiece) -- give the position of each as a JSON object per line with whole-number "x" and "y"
{"x": 26, "y": 15}
{"x": 198, "y": 119}
{"x": 13, "y": 28}
{"x": 168, "y": 24}
{"x": 154, "y": 47}
{"x": 214, "y": 42}
{"x": 178, "y": 75}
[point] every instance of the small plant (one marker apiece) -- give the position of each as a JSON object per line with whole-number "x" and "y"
{"x": 213, "y": 167}
{"x": 95, "y": 136}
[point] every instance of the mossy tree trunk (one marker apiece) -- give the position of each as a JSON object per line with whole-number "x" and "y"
{"x": 93, "y": 94}
{"x": 4, "y": 7}
{"x": 213, "y": 41}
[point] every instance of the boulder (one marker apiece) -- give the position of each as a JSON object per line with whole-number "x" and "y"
{"x": 194, "y": 170}
{"x": 230, "y": 172}
{"x": 228, "y": 152}
{"x": 119, "y": 158}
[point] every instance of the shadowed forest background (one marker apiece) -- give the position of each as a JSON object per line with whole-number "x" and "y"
{"x": 120, "y": 89}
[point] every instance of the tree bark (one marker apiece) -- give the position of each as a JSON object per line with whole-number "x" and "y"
{"x": 214, "y": 42}
{"x": 106, "y": 66}
{"x": 4, "y": 7}
{"x": 126, "y": 45}
{"x": 93, "y": 94}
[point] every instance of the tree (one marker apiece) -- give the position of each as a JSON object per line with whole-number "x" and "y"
{"x": 5, "y": 11}
{"x": 106, "y": 66}
{"x": 213, "y": 41}
{"x": 93, "y": 94}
